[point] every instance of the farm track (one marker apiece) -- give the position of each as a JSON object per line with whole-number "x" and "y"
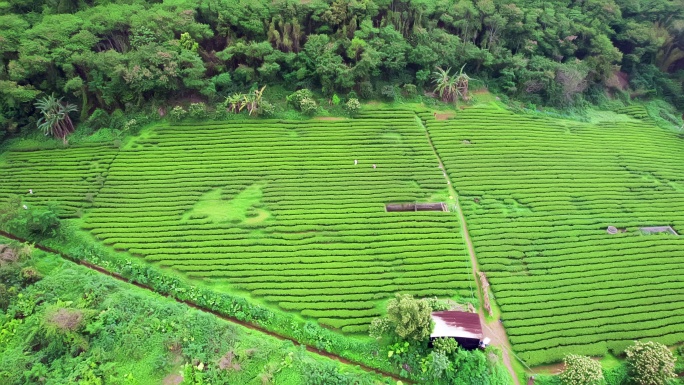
{"x": 121, "y": 278}
{"x": 496, "y": 330}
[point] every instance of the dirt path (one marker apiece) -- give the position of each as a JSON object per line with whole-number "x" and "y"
{"x": 259, "y": 329}
{"x": 495, "y": 329}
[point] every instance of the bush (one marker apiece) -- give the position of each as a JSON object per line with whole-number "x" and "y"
{"x": 445, "y": 345}
{"x": 98, "y": 119}
{"x": 30, "y": 275}
{"x": 366, "y": 90}
{"x": 410, "y": 90}
{"x": 353, "y": 106}
{"x": 29, "y": 222}
{"x": 267, "y": 109}
{"x": 295, "y": 99}
{"x": 308, "y": 106}
{"x": 389, "y": 92}
{"x": 197, "y": 110}
{"x": 581, "y": 370}
{"x": 177, "y": 114}
{"x": 650, "y": 363}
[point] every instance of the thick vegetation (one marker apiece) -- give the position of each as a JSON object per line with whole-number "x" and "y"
{"x": 66, "y": 324}
{"x": 540, "y": 194}
{"x": 112, "y": 56}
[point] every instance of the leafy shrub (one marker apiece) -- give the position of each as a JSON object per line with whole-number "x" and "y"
{"x": 445, "y": 345}
{"x": 295, "y": 99}
{"x": 117, "y": 120}
{"x": 98, "y": 119}
{"x": 650, "y": 363}
{"x": 353, "y": 106}
{"x": 302, "y": 100}
{"x": 581, "y": 370}
{"x": 308, "y": 106}
{"x": 336, "y": 100}
{"x": 366, "y": 90}
{"x": 178, "y": 113}
{"x": 267, "y": 109}
{"x": 29, "y": 222}
{"x": 197, "y": 110}
{"x": 30, "y": 275}
{"x": 389, "y": 92}
{"x": 410, "y": 89}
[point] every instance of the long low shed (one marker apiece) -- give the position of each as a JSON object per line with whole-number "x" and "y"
{"x": 464, "y": 327}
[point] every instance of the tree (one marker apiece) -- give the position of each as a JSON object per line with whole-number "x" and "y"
{"x": 451, "y": 87}
{"x": 581, "y": 370}
{"x": 410, "y": 318}
{"x": 55, "y": 118}
{"x": 650, "y": 363}
{"x": 252, "y": 101}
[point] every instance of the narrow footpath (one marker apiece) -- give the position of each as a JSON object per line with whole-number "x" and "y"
{"x": 259, "y": 329}
{"x": 495, "y": 330}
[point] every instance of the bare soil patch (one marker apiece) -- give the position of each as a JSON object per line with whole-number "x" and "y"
{"x": 328, "y": 118}
{"x": 444, "y": 115}
{"x": 172, "y": 379}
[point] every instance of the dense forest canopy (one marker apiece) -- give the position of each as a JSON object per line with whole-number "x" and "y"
{"x": 131, "y": 54}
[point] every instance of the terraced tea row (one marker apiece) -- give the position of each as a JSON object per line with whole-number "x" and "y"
{"x": 539, "y": 195}
{"x": 69, "y": 177}
{"x": 289, "y": 211}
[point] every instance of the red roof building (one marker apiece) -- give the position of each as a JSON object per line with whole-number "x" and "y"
{"x": 464, "y": 327}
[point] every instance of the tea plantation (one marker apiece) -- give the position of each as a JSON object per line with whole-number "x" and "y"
{"x": 539, "y": 195}
{"x": 292, "y": 212}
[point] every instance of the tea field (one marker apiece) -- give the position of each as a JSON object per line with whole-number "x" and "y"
{"x": 289, "y": 212}
{"x": 292, "y": 213}
{"x": 539, "y": 195}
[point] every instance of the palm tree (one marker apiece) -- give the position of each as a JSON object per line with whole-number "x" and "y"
{"x": 55, "y": 119}
{"x": 252, "y": 101}
{"x": 443, "y": 84}
{"x": 451, "y": 88}
{"x": 462, "y": 80}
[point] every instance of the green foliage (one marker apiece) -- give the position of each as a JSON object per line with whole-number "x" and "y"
{"x": 308, "y": 106}
{"x": 55, "y": 118}
{"x": 144, "y": 53}
{"x": 410, "y": 318}
{"x": 187, "y": 42}
{"x": 303, "y": 100}
{"x": 197, "y": 111}
{"x": 79, "y": 326}
{"x": 253, "y": 102}
{"x": 650, "y": 363}
{"x": 30, "y": 222}
{"x": 352, "y": 106}
{"x": 178, "y": 113}
{"x": 581, "y": 370}
{"x": 446, "y": 346}
{"x": 336, "y": 100}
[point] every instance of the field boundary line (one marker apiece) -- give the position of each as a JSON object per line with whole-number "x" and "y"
{"x": 224, "y": 317}
{"x": 503, "y": 337}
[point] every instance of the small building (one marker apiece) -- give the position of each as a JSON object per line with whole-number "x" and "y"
{"x": 464, "y": 327}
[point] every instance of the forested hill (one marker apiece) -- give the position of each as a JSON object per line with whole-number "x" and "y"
{"x": 127, "y": 54}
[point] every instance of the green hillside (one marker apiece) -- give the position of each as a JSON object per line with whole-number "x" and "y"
{"x": 291, "y": 215}
{"x": 539, "y": 195}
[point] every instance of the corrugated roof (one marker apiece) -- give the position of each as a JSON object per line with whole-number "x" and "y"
{"x": 456, "y": 324}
